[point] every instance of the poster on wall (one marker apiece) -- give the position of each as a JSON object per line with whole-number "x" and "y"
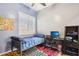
{"x": 6, "y": 24}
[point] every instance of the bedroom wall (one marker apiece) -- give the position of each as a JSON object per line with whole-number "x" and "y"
{"x": 11, "y": 10}
{"x": 55, "y": 18}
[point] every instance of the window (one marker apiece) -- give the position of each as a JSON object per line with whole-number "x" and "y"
{"x": 26, "y": 24}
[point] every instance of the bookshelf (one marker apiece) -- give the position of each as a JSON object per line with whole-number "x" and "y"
{"x": 71, "y": 41}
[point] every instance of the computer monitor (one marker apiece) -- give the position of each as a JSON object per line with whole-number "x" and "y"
{"x": 55, "y": 34}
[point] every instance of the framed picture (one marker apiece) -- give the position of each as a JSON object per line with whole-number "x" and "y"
{"x": 6, "y": 24}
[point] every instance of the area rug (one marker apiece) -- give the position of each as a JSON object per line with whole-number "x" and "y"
{"x": 36, "y": 51}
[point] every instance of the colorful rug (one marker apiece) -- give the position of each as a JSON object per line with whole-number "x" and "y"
{"x": 47, "y": 51}
{"x": 36, "y": 51}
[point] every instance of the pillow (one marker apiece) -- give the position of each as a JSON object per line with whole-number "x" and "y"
{"x": 39, "y": 35}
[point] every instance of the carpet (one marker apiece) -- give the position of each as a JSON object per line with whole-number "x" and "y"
{"x": 36, "y": 51}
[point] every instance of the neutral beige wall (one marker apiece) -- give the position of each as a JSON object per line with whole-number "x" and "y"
{"x": 55, "y": 18}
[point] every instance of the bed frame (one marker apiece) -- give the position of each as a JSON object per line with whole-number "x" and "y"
{"x": 18, "y": 43}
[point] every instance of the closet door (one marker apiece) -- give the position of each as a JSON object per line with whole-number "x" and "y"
{"x": 26, "y": 24}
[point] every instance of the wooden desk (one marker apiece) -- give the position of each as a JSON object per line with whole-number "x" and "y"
{"x": 53, "y": 43}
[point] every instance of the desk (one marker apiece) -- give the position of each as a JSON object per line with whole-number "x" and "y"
{"x": 53, "y": 43}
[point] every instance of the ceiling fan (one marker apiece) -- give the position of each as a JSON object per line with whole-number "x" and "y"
{"x": 44, "y": 4}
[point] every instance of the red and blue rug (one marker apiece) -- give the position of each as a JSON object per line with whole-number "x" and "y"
{"x": 42, "y": 51}
{"x": 39, "y": 50}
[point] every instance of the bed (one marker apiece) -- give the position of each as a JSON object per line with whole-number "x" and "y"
{"x": 26, "y": 42}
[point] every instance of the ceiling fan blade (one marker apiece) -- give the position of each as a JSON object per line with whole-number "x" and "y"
{"x": 33, "y": 4}
{"x": 43, "y": 4}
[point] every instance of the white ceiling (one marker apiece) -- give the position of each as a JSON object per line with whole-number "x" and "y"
{"x": 38, "y": 6}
